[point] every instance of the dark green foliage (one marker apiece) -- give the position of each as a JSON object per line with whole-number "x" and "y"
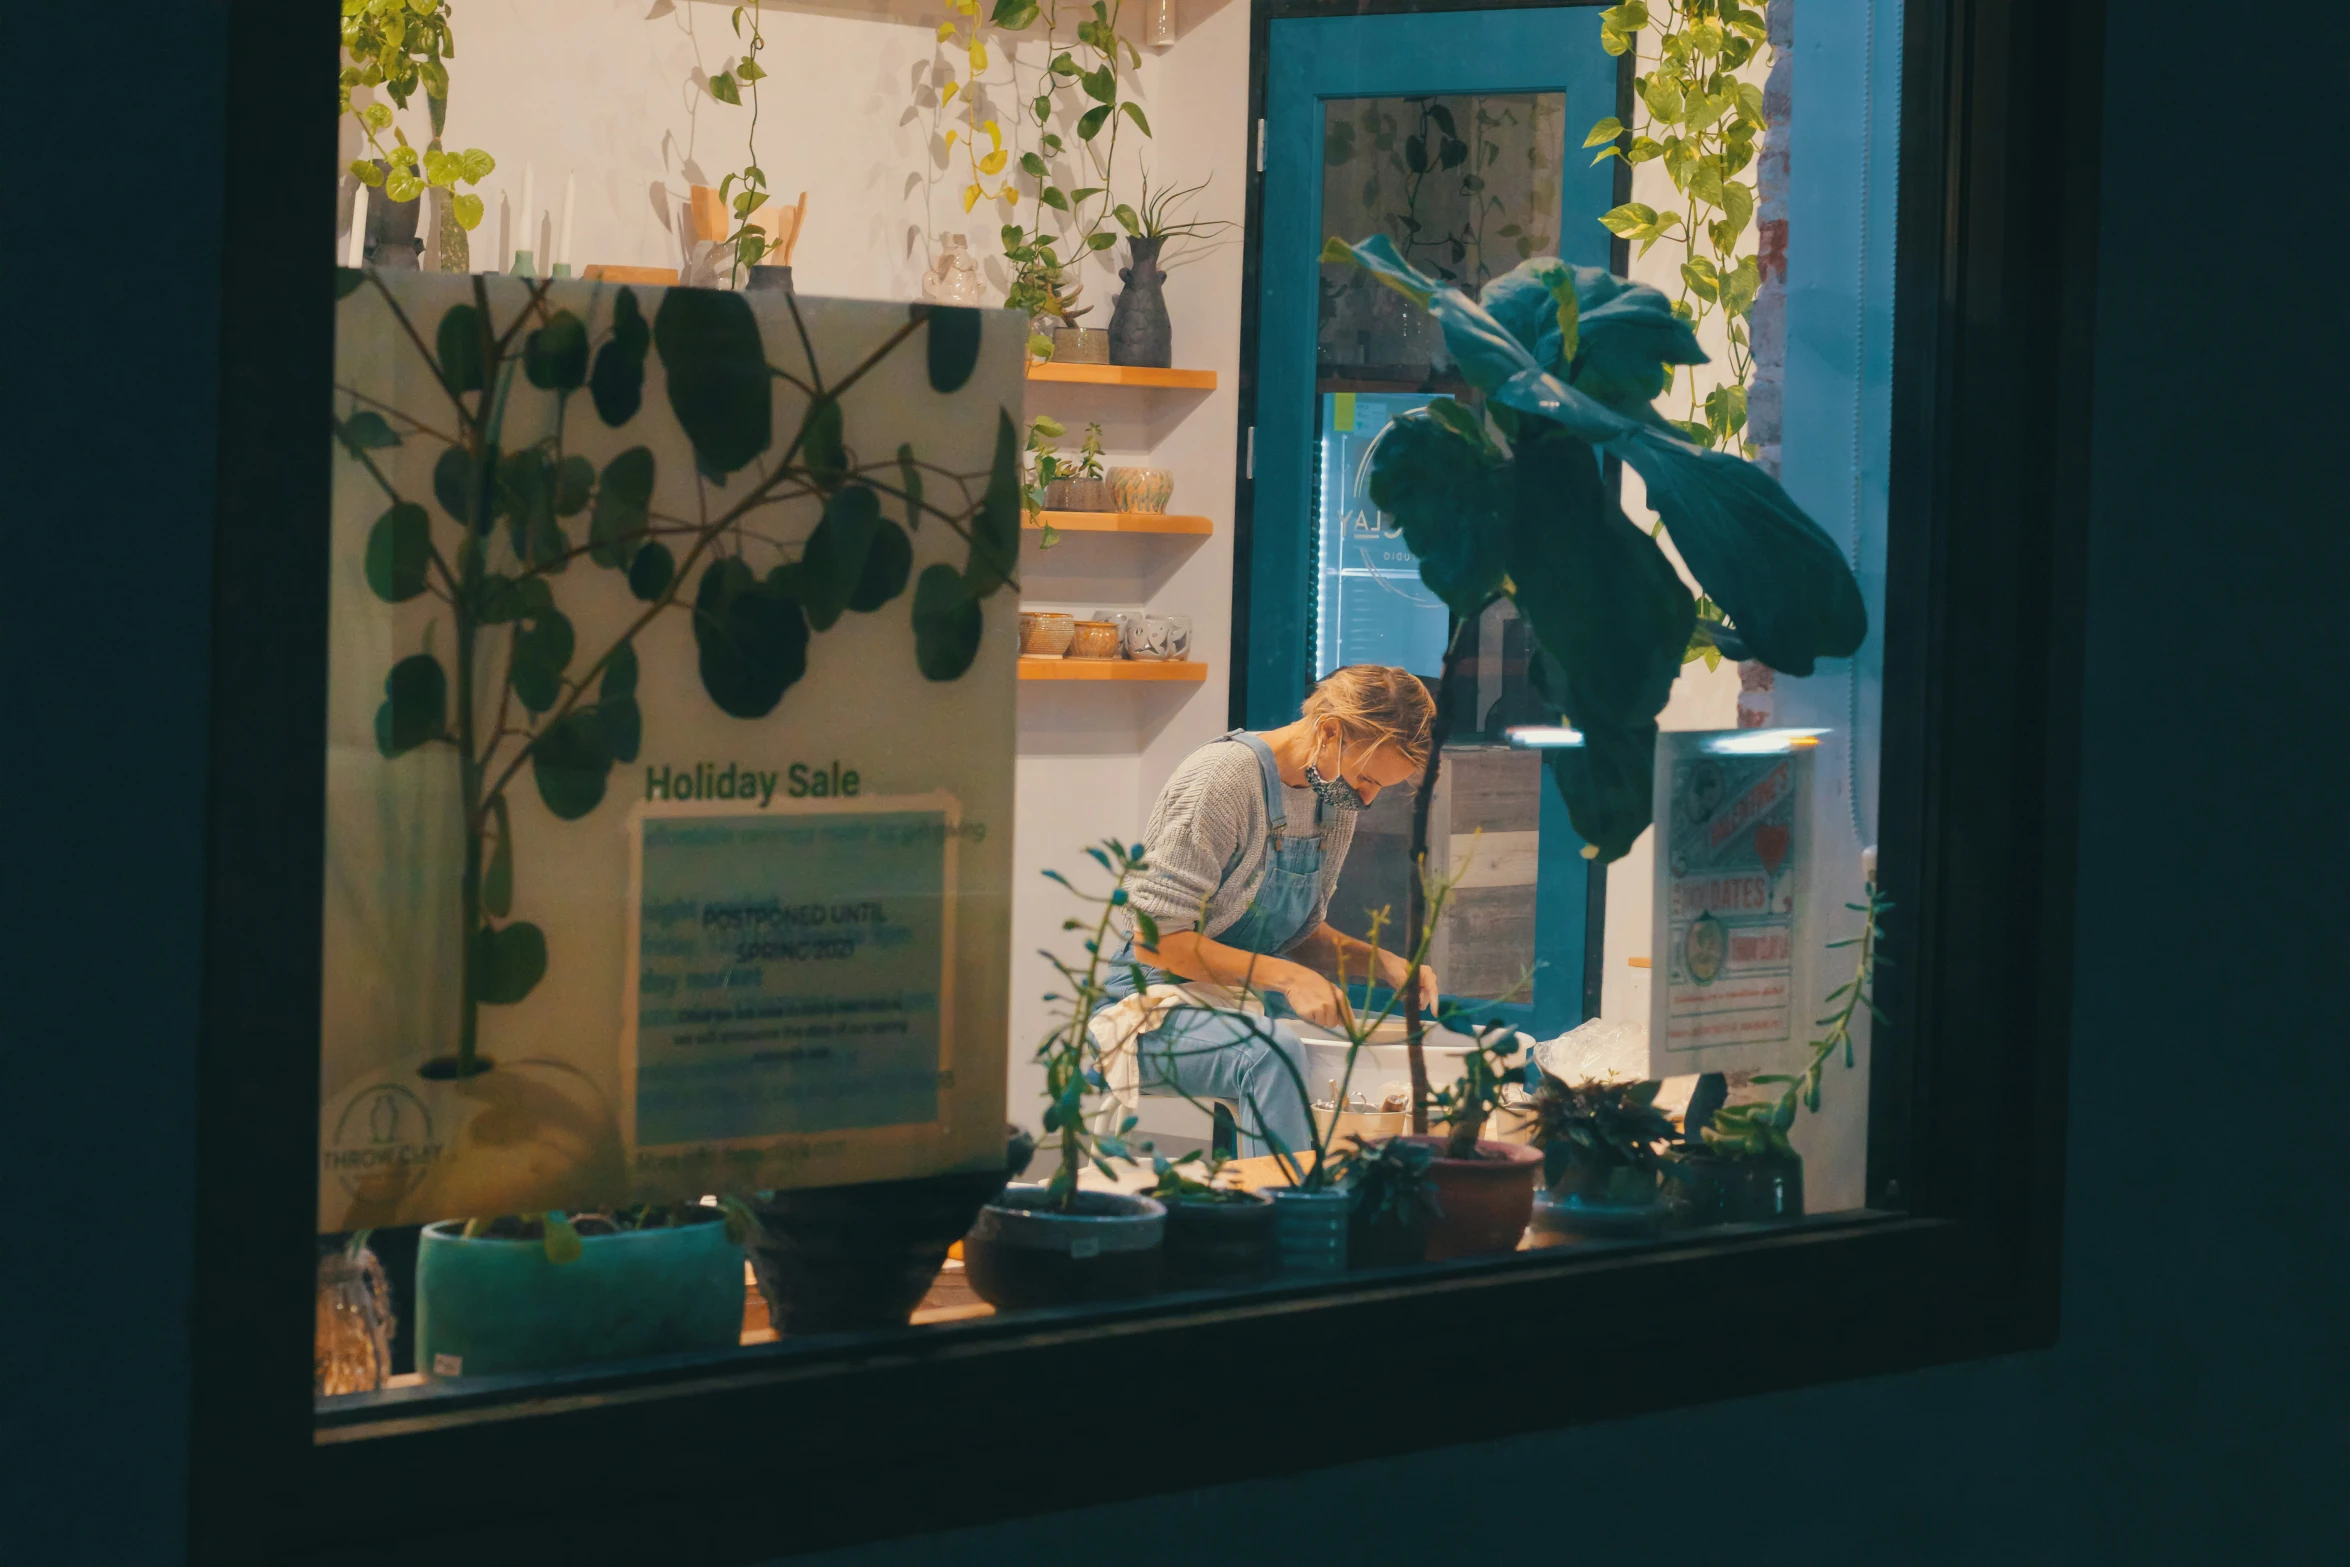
{"x": 617, "y": 385}
{"x": 555, "y": 356}
{"x": 719, "y": 386}
{"x": 947, "y": 624}
{"x": 508, "y": 961}
{"x": 570, "y": 764}
{"x": 1598, "y": 1125}
{"x": 618, "y": 521}
{"x": 752, "y": 638}
{"x": 1452, "y": 498}
{"x": 415, "y": 706}
{"x": 458, "y": 342}
{"x": 832, "y": 566}
{"x": 953, "y": 345}
{"x": 399, "y": 553}
{"x": 651, "y": 572}
{"x": 995, "y": 528}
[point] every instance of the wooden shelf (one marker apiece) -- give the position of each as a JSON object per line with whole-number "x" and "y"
{"x": 1111, "y": 669}
{"x": 1124, "y": 375}
{"x": 1122, "y": 522}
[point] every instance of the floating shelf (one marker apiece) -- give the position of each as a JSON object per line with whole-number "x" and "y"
{"x": 1124, "y": 375}
{"x": 1111, "y": 669}
{"x": 1122, "y": 522}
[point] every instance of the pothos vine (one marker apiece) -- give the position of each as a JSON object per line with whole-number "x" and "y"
{"x": 400, "y": 46}
{"x": 747, "y": 243}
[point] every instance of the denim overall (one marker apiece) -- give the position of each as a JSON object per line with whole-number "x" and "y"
{"x": 1218, "y": 1055}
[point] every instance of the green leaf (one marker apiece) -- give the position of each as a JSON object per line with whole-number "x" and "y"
{"x": 1133, "y": 111}
{"x": 618, "y": 382}
{"x": 542, "y": 651}
{"x": 1606, "y": 130}
{"x": 723, "y": 89}
{"x": 475, "y": 165}
{"x": 832, "y": 564}
{"x": 415, "y": 708}
{"x": 821, "y": 447}
{"x": 366, "y": 173}
{"x": 910, "y": 480}
{"x": 561, "y": 1240}
{"x": 1013, "y": 15}
{"x": 459, "y": 343}
{"x": 947, "y": 623}
{"x": 497, "y": 881}
{"x": 719, "y": 386}
{"x": 571, "y": 763}
{"x": 1090, "y": 124}
{"x": 399, "y": 553}
{"x": 995, "y": 526}
{"x": 508, "y": 962}
{"x": 651, "y": 572}
{"x": 622, "y": 499}
{"x": 752, "y": 639}
{"x": 555, "y": 356}
{"x": 747, "y": 70}
{"x": 575, "y": 483}
{"x": 954, "y": 345}
{"x": 1032, "y": 165}
{"x": 367, "y": 431}
{"x": 1449, "y": 493}
{"x": 467, "y": 209}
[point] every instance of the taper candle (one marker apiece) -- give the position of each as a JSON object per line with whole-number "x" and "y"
{"x": 570, "y": 187}
{"x": 524, "y": 239}
{"x": 358, "y": 226}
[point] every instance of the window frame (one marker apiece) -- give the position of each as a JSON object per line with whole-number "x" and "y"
{"x": 1959, "y": 1259}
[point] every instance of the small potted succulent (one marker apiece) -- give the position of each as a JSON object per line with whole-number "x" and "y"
{"x": 1218, "y": 1235}
{"x": 1603, "y": 1144}
{"x": 1082, "y": 484}
{"x": 1057, "y": 1244}
{"x": 1484, "y": 1188}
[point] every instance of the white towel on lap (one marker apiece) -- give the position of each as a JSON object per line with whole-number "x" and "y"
{"x": 1117, "y": 1029}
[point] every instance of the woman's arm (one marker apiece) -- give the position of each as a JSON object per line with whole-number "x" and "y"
{"x": 1333, "y": 951}
{"x": 1192, "y": 956}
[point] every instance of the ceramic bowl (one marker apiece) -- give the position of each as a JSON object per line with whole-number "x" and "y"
{"x": 1142, "y": 489}
{"x": 1165, "y": 637}
{"x": 1046, "y": 635}
{"x": 1094, "y": 639}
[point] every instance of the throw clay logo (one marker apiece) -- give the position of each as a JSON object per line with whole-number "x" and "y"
{"x": 383, "y": 1144}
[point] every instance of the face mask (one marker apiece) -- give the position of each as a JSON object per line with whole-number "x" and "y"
{"x": 1336, "y": 793}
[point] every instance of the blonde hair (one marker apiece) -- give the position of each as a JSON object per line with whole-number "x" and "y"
{"x": 1375, "y": 702}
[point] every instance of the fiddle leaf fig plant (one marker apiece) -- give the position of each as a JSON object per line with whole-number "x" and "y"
{"x": 1500, "y": 494}
{"x": 517, "y": 529}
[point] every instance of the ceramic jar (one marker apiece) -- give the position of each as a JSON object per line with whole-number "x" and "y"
{"x": 1046, "y": 635}
{"x": 1141, "y": 489}
{"x": 1162, "y": 637}
{"x": 1080, "y": 345}
{"x": 953, "y": 277}
{"x": 1094, "y": 639}
{"x": 1079, "y": 495}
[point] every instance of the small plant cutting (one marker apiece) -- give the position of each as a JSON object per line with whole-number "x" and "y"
{"x": 402, "y": 47}
{"x": 744, "y": 190}
{"x": 1500, "y": 494}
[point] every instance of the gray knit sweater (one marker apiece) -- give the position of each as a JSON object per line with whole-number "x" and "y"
{"x": 1206, "y": 841}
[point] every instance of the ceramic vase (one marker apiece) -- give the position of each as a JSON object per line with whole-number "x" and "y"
{"x": 391, "y": 228}
{"x": 1140, "y": 333}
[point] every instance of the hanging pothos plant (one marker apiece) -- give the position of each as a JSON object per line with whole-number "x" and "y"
{"x": 401, "y": 47}
{"x": 744, "y": 190}
{"x": 501, "y": 678}
{"x": 1704, "y": 124}
{"x": 1080, "y": 90}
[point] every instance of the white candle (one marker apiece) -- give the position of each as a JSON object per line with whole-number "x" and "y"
{"x": 358, "y": 226}
{"x": 525, "y": 238}
{"x": 570, "y": 187}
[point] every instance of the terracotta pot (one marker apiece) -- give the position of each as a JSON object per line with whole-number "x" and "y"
{"x": 1094, "y": 639}
{"x": 1487, "y": 1201}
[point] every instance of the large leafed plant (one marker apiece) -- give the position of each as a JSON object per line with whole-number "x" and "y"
{"x": 501, "y": 678}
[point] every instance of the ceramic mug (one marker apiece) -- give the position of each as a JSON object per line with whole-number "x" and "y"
{"x": 1163, "y": 637}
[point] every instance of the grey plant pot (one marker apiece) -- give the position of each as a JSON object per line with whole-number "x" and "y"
{"x": 1021, "y": 1255}
{"x": 391, "y": 228}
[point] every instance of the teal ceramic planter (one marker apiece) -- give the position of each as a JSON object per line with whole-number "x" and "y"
{"x": 486, "y": 1307}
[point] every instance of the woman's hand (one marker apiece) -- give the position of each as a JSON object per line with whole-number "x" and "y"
{"x": 1399, "y": 973}
{"x": 1313, "y": 997}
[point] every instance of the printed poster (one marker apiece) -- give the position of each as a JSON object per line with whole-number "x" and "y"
{"x": 1732, "y": 862}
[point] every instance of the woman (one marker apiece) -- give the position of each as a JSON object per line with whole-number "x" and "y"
{"x": 1242, "y": 852}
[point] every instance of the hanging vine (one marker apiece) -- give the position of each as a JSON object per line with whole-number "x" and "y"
{"x": 400, "y": 47}
{"x": 747, "y": 243}
{"x": 1704, "y": 123}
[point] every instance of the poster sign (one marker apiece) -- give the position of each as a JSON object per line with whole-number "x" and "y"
{"x": 788, "y": 980}
{"x": 1732, "y": 866}
{"x": 670, "y": 723}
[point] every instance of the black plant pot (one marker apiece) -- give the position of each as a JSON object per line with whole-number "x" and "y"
{"x": 1737, "y": 1191}
{"x": 767, "y": 277}
{"x": 1217, "y": 1245}
{"x": 391, "y": 228}
{"x": 1140, "y": 333}
{"x": 1383, "y": 1240}
{"x": 1021, "y": 1254}
{"x": 844, "y": 1258}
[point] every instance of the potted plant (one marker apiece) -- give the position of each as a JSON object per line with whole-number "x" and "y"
{"x": 1218, "y": 1235}
{"x": 1500, "y": 493}
{"x": 1484, "y": 1188}
{"x": 1080, "y": 485}
{"x": 541, "y": 1291}
{"x": 1745, "y": 1168}
{"x": 1392, "y": 1201}
{"x": 1057, "y": 1244}
{"x": 1603, "y": 1144}
{"x": 1140, "y": 331}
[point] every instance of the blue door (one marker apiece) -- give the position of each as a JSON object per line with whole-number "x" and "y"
{"x": 1459, "y": 135}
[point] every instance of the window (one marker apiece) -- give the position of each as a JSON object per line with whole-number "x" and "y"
{"x": 762, "y": 715}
